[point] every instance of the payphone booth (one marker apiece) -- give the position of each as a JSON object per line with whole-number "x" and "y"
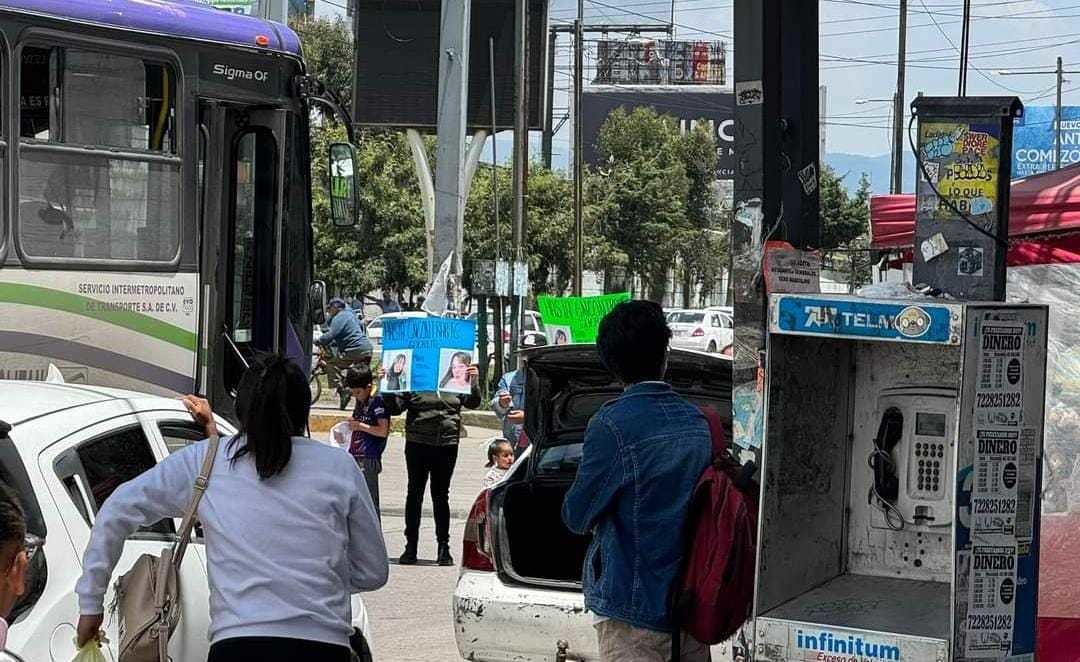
{"x": 900, "y": 480}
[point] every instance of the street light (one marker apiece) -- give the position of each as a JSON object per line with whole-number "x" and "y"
{"x": 1060, "y": 73}
{"x": 860, "y": 102}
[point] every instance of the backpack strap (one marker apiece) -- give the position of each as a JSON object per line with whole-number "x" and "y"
{"x": 201, "y": 483}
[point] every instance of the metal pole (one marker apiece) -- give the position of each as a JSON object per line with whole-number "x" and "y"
{"x": 521, "y": 156}
{"x": 450, "y": 149}
{"x": 549, "y": 102}
{"x": 964, "y": 40}
{"x": 1057, "y": 117}
{"x": 579, "y": 74}
{"x": 497, "y": 301}
{"x": 494, "y": 149}
{"x": 898, "y": 105}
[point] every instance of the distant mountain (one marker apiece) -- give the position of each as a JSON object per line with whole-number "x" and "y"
{"x": 852, "y": 166}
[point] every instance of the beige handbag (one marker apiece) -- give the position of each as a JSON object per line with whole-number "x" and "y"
{"x": 147, "y": 600}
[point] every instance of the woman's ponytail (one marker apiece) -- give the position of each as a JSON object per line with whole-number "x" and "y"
{"x": 272, "y": 402}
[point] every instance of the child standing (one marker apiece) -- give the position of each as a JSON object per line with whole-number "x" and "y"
{"x": 500, "y": 456}
{"x": 370, "y": 424}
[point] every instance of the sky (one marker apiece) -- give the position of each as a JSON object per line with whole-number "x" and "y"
{"x": 859, "y": 51}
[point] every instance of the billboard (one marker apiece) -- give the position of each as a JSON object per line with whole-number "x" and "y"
{"x": 660, "y": 62}
{"x": 1033, "y": 140}
{"x": 397, "y": 62}
{"x": 687, "y": 104}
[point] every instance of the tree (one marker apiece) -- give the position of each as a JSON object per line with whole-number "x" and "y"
{"x": 328, "y": 52}
{"x": 844, "y": 218}
{"x": 386, "y": 249}
{"x": 641, "y": 192}
{"x": 549, "y": 225}
{"x": 703, "y": 246}
{"x": 845, "y": 223}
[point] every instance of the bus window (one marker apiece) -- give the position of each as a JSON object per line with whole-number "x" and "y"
{"x": 251, "y": 264}
{"x": 34, "y": 115}
{"x": 84, "y": 205}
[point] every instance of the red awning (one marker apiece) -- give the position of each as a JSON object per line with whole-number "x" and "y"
{"x": 1046, "y": 203}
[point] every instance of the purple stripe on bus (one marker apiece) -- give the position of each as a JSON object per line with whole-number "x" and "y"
{"x": 179, "y": 18}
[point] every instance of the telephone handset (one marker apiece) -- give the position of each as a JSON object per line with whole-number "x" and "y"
{"x": 912, "y": 457}
{"x": 890, "y": 431}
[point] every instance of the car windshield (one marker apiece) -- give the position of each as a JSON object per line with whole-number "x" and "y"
{"x": 686, "y": 318}
{"x": 375, "y": 323}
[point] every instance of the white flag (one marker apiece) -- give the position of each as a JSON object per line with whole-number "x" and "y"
{"x": 436, "y": 297}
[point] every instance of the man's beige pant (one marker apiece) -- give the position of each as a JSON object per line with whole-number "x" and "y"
{"x": 622, "y": 642}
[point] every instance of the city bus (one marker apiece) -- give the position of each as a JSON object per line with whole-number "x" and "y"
{"x": 155, "y": 194}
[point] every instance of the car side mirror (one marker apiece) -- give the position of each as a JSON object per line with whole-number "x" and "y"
{"x": 344, "y": 196}
{"x": 318, "y": 302}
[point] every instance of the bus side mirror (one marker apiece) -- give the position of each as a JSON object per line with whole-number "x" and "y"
{"x": 344, "y": 197}
{"x": 318, "y": 302}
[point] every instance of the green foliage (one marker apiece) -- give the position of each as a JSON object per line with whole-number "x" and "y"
{"x": 549, "y": 231}
{"x": 328, "y": 52}
{"x": 844, "y": 218}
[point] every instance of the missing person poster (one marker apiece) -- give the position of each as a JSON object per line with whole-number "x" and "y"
{"x": 569, "y": 320}
{"x": 421, "y": 354}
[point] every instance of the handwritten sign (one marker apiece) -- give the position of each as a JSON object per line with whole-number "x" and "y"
{"x": 427, "y": 354}
{"x": 576, "y": 319}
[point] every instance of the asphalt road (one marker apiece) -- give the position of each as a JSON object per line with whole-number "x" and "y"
{"x": 411, "y": 617}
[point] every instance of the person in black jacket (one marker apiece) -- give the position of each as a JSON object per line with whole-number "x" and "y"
{"x": 432, "y": 433}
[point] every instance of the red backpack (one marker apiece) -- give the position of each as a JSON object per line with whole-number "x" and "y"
{"x": 716, "y": 593}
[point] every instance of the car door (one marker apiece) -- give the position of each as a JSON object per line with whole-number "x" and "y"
{"x": 82, "y": 470}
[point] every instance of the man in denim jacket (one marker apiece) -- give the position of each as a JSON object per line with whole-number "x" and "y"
{"x": 643, "y": 455}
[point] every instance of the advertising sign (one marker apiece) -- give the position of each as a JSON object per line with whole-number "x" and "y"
{"x": 861, "y": 318}
{"x": 569, "y": 320}
{"x": 422, "y": 354}
{"x": 687, "y": 104}
{"x": 660, "y": 62}
{"x": 1033, "y": 140}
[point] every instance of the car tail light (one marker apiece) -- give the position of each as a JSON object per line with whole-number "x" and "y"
{"x": 506, "y": 336}
{"x": 698, "y": 332}
{"x": 476, "y": 547}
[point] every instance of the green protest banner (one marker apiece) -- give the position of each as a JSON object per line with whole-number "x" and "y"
{"x": 575, "y": 319}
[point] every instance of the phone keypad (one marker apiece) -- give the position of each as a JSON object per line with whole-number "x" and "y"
{"x": 930, "y": 458}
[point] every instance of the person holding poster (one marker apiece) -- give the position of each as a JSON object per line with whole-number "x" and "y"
{"x": 432, "y": 433}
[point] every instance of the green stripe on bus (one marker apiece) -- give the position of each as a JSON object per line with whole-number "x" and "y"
{"x": 44, "y": 297}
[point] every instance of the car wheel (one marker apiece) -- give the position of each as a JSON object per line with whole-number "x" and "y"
{"x": 712, "y": 348}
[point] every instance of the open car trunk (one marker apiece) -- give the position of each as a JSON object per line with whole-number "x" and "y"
{"x": 565, "y": 386}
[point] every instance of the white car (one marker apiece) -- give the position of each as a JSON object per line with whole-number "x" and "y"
{"x": 518, "y": 596}
{"x": 701, "y": 330}
{"x": 64, "y": 449}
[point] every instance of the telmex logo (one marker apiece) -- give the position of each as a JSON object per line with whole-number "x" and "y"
{"x": 854, "y": 646}
{"x": 233, "y": 73}
{"x": 913, "y": 322}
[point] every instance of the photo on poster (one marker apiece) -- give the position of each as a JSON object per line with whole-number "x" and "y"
{"x": 398, "y": 365}
{"x": 454, "y": 371}
{"x": 559, "y": 335}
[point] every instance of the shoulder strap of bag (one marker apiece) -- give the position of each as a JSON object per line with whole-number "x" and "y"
{"x": 197, "y": 492}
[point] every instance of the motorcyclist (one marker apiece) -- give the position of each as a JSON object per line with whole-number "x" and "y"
{"x": 350, "y": 343}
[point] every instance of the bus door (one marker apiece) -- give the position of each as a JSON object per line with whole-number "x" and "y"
{"x": 242, "y": 247}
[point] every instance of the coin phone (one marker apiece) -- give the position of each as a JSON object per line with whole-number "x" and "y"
{"x": 912, "y": 457}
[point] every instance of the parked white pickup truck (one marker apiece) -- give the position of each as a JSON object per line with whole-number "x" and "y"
{"x": 64, "y": 449}
{"x": 519, "y": 593}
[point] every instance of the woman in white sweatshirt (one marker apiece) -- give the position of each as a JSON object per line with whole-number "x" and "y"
{"x": 289, "y": 526}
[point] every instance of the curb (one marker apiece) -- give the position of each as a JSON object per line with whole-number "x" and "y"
{"x": 322, "y": 419}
